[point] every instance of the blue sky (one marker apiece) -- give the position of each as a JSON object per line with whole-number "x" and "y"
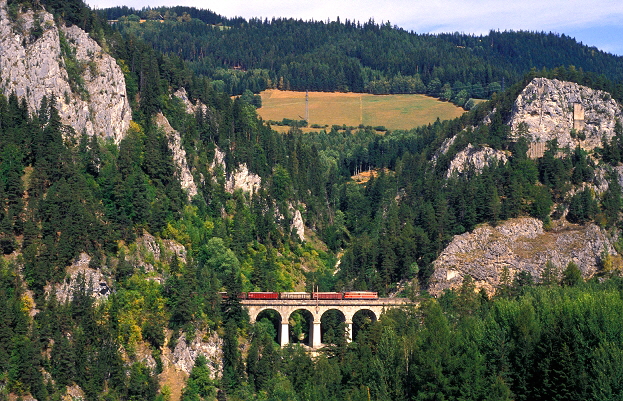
{"x": 592, "y": 22}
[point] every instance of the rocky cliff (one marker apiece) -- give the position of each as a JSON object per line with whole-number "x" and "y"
{"x": 34, "y": 56}
{"x": 298, "y": 225}
{"x": 191, "y": 108}
{"x": 550, "y": 109}
{"x": 179, "y": 156}
{"x": 243, "y": 179}
{"x": 475, "y": 157}
{"x": 178, "y": 363}
{"x": 519, "y": 244}
{"x": 97, "y": 284}
{"x": 99, "y": 281}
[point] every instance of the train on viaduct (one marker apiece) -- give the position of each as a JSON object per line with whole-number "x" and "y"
{"x": 316, "y": 303}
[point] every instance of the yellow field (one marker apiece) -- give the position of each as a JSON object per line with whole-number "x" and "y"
{"x": 352, "y": 109}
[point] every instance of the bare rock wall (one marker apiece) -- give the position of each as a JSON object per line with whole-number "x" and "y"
{"x": 519, "y": 244}
{"x": 34, "y": 66}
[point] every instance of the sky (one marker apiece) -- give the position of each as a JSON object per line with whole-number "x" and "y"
{"x": 596, "y": 23}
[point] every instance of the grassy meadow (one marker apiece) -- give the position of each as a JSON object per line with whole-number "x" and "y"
{"x": 352, "y": 109}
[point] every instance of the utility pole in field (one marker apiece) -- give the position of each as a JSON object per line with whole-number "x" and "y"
{"x": 307, "y": 106}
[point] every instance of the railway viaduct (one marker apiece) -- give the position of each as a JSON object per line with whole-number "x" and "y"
{"x": 317, "y": 307}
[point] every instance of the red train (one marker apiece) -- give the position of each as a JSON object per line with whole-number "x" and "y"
{"x": 306, "y": 295}
{"x": 259, "y": 295}
{"x": 360, "y": 295}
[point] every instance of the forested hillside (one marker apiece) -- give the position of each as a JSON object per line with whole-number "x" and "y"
{"x": 112, "y": 266}
{"x": 354, "y": 56}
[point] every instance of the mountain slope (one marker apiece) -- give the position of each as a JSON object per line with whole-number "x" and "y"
{"x": 116, "y": 255}
{"x": 342, "y": 56}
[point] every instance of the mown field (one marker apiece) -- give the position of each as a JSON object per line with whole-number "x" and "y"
{"x": 352, "y": 109}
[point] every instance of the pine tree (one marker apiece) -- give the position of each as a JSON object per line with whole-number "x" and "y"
{"x": 550, "y": 274}
{"x": 572, "y": 275}
{"x": 232, "y": 362}
{"x": 62, "y": 360}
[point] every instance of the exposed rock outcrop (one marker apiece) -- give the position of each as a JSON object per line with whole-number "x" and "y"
{"x": 96, "y": 282}
{"x": 476, "y": 158}
{"x": 518, "y": 244}
{"x": 33, "y": 65}
{"x": 179, "y": 156}
{"x": 191, "y": 108}
{"x": 243, "y": 179}
{"x": 298, "y": 225}
{"x": 161, "y": 249}
{"x": 219, "y": 160}
{"x": 178, "y": 364}
{"x": 184, "y": 354}
{"x": 550, "y": 109}
{"x": 445, "y": 146}
{"x": 240, "y": 178}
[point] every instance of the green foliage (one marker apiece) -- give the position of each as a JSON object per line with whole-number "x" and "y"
{"x": 199, "y": 385}
{"x": 63, "y": 361}
{"x": 250, "y": 98}
{"x": 37, "y": 30}
{"x": 550, "y": 274}
{"x": 582, "y": 172}
{"x": 138, "y": 312}
{"x": 572, "y": 275}
{"x": 612, "y": 202}
{"x": 343, "y": 56}
{"x": 289, "y": 123}
{"x": 62, "y": 195}
{"x": 233, "y": 368}
{"x": 582, "y": 207}
{"x": 142, "y": 384}
{"x": 263, "y": 360}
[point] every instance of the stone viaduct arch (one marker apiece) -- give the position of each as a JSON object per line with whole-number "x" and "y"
{"x": 348, "y": 307}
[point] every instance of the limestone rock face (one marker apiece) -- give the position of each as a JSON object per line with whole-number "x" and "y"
{"x": 298, "y": 225}
{"x": 475, "y": 157}
{"x": 243, "y": 179}
{"x": 152, "y": 249}
{"x": 35, "y": 67}
{"x": 219, "y": 160}
{"x": 548, "y": 109}
{"x": 191, "y": 108}
{"x": 240, "y": 178}
{"x": 185, "y": 353}
{"x": 161, "y": 251}
{"x": 551, "y": 109}
{"x": 518, "y": 244}
{"x": 99, "y": 281}
{"x": 179, "y": 156}
{"x": 97, "y": 284}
